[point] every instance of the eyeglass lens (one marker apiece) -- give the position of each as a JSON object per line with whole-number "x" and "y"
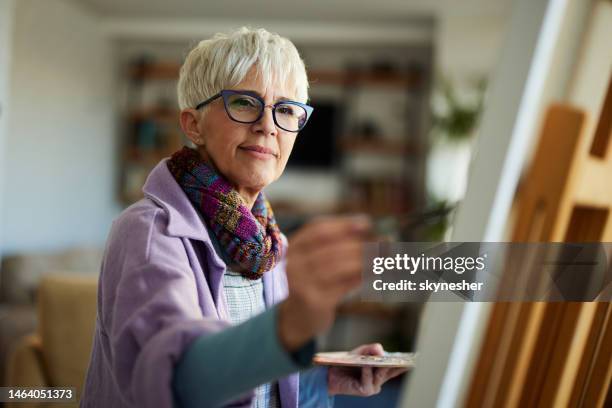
{"x": 245, "y": 108}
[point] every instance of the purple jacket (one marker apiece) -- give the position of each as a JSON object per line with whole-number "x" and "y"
{"x": 159, "y": 289}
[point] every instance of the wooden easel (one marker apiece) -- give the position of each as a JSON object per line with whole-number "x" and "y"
{"x": 543, "y": 354}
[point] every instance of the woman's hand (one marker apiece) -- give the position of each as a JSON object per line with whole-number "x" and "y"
{"x": 324, "y": 263}
{"x": 362, "y": 382}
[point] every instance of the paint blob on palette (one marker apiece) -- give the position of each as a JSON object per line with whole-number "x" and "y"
{"x": 344, "y": 358}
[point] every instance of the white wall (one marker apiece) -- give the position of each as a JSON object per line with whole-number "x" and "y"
{"x": 7, "y": 11}
{"x": 467, "y": 50}
{"x": 469, "y": 47}
{"x": 59, "y": 166}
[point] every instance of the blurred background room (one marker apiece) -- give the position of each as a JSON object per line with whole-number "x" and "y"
{"x": 88, "y": 107}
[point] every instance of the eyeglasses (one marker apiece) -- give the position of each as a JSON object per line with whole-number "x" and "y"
{"x": 248, "y": 107}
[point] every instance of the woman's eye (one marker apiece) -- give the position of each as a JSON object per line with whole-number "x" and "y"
{"x": 285, "y": 110}
{"x": 243, "y": 103}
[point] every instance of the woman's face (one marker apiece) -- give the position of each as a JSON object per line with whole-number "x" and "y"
{"x": 230, "y": 145}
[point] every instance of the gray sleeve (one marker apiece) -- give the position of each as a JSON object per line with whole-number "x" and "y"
{"x": 220, "y": 367}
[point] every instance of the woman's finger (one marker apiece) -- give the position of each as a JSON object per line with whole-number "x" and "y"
{"x": 372, "y": 349}
{"x": 329, "y": 229}
{"x": 385, "y": 374}
{"x": 367, "y": 380}
{"x": 380, "y": 375}
{"x": 394, "y": 372}
{"x": 345, "y": 263}
{"x": 342, "y": 249}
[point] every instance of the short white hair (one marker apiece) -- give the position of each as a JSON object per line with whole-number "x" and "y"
{"x": 224, "y": 60}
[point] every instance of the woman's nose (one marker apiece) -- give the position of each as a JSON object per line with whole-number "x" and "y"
{"x": 266, "y": 123}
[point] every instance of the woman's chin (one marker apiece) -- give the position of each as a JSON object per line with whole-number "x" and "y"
{"x": 255, "y": 181}
{"x": 258, "y": 170}
{"x": 252, "y": 172}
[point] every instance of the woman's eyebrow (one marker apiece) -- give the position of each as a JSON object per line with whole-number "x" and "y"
{"x": 252, "y": 91}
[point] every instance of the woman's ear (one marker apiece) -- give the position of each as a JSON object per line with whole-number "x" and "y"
{"x": 189, "y": 124}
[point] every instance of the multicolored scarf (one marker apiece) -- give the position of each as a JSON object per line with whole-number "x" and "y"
{"x": 250, "y": 238}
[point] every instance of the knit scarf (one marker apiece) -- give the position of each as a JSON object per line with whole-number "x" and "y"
{"x": 250, "y": 238}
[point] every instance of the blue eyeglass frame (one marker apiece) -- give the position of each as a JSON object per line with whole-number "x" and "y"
{"x": 227, "y": 92}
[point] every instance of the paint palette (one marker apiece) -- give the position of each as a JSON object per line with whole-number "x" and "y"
{"x": 344, "y": 358}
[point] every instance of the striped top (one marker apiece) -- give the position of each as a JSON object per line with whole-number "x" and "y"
{"x": 245, "y": 299}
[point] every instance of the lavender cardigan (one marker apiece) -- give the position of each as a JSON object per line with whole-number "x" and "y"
{"x": 159, "y": 289}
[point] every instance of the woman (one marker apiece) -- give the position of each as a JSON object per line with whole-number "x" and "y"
{"x": 200, "y": 302}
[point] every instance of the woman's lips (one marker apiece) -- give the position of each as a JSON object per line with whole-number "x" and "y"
{"x": 259, "y": 152}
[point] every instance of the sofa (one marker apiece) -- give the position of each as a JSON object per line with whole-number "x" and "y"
{"x": 20, "y": 279}
{"x": 57, "y": 353}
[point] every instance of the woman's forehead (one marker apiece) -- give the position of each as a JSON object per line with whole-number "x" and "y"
{"x": 254, "y": 82}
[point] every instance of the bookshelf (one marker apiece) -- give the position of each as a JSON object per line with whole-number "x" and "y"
{"x": 151, "y": 135}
